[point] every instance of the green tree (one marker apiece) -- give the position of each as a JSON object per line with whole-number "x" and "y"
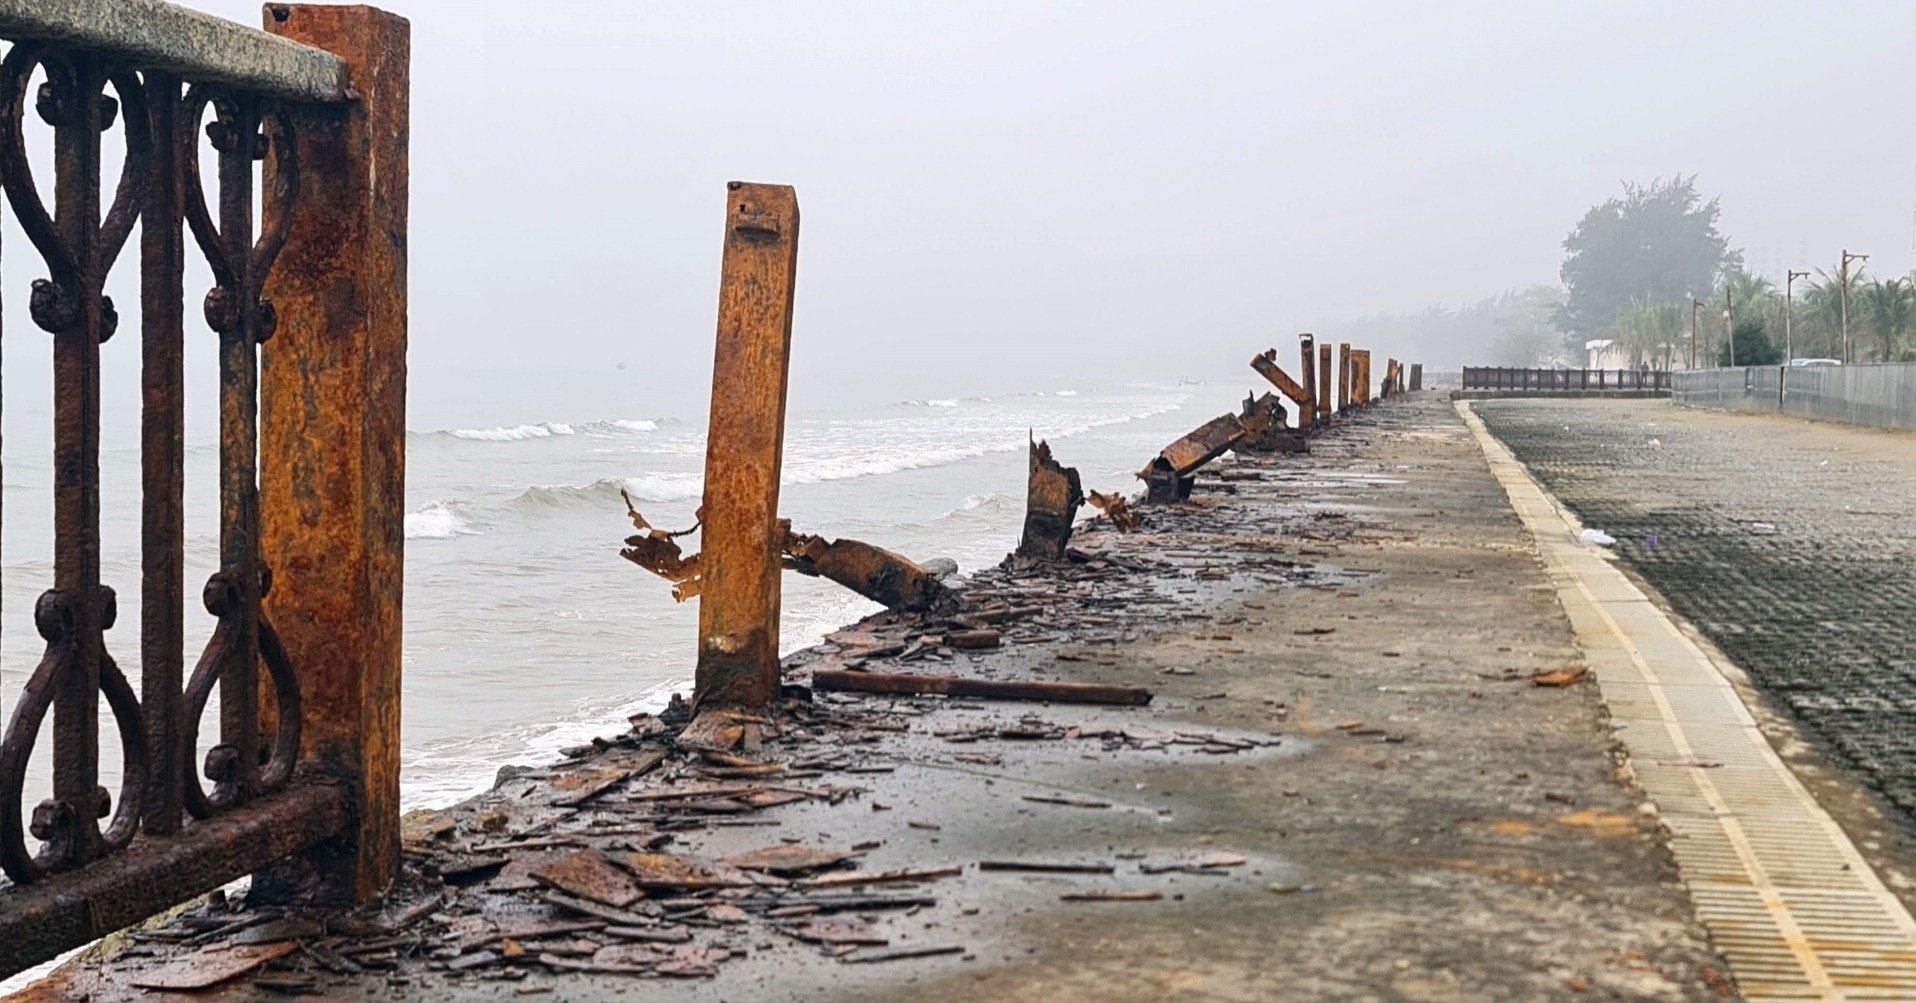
{"x": 1658, "y": 240}
{"x": 1889, "y": 306}
{"x": 1753, "y": 346}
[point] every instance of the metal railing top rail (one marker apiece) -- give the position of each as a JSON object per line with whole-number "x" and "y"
{"x": 153, "y": 34}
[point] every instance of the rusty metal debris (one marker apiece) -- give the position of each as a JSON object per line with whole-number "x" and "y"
{"x": 657, "y": 550}
{"x": 1300, "y": 394}
{"x": 1265, "y": 428}
{"x": 992, "y": 689}
{"x": 1116, "y": 509}
{"x": 888, "y": 579}
{"x": 1052, "y": 496}
{"x": 1169, "y": 475}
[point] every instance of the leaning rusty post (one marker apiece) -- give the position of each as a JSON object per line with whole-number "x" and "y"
{"x": 1053, "y": 493}
{"x": 739, "y": 604}
{"x": 1344, "y": 381}
{"x": 1307, "y": 375}
{"x": 333, "y": 427}
{"x": 1324, "y": 368}
{"x": 1267, "y": 367}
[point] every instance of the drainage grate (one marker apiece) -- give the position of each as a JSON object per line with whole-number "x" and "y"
{"x": 1796, "y": 911}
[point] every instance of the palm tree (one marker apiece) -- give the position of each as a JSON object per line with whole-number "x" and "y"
{"x": 1889, "y": 308}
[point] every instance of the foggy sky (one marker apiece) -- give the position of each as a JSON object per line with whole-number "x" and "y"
{"x": 1012, "y": 195}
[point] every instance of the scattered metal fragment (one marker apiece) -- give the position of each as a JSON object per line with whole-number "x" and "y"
{"x": 1117, "y": 510}
{"x": 212, "y": 966}
{"x": 1115, "y": 895}
{"x": 588, "y": 875}
{"x": 899, "y": 953}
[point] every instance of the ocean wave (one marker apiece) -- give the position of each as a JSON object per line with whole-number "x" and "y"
{"x": 601, "y": 428}
{"x": 605, "y": 491}
{"x": 944, "y": 402}
{"x": 437, "y": 521}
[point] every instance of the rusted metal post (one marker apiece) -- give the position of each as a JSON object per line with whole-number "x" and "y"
{"x": 1307, "y": 375}
{"x": 1053, "y": 493}
{"x": 1267, "y": 367}
{"x": 1344, "y": 381}
{"x": 1360, "y": 377}
{"x": 742, "y": 539}
{"x": 333, "y": 427}
{"x": 1417, "y": 376}
{"x": 1324, "y": 368}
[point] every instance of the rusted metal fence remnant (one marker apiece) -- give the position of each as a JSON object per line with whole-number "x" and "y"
{"x": 1344, "y": 380}
{"x": 1324, "y": 375}
{"x": 744, "y": 449}
{"x": 1299, "y": 393}
{"x": 1169, "y": 475}
{"x": 1053, "y": 493}
{"x": 305, "y": 648}
{"x": 745, "y": 543}
{"x": 1360, "y": 377}
{"x": 1307, "y": 375}
{"x": 1265, "y": 427}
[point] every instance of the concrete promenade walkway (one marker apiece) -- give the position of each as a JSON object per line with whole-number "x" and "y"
{"x": 1787, "y": 896}
{"x": 1355, "y": 783}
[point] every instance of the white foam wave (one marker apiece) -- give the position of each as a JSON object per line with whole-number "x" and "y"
{"x": 945, "y": 402}
{"x": 555, "y": 429}
{"x": 437, "y": 522}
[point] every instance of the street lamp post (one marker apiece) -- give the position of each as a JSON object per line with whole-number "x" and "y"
{"x": 1843, "y": 272}
{"x": 1695, "y": 305}
{"x": 1789, "y": 314}
{"x": 1789, "y": 336}
{"x": 1729, "y": 323}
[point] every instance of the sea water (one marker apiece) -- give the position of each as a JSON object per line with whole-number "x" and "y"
{"x": 525, "y": 632}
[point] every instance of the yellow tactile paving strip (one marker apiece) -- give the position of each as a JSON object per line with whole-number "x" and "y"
{"x": 1796, "y": 910}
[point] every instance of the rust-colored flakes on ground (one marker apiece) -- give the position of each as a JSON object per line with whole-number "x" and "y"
{"x": 589, "y": 875}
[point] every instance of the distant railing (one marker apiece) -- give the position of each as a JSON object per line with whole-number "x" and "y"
{"x": 310, "y": 445}
{"x": 1494, "y": 378}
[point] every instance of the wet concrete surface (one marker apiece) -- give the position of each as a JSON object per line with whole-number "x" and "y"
{"x": 1788, "y": 544}
{"x": 1347, "y": 787}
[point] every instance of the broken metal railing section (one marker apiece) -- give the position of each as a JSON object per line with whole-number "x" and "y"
{"x": 1170, "y": 474}
{"x": 1053, "y": 493}
{"x": 1266, "y": 429}
{"x": 1300, "y": 394}
{"x": 154, "y": 72}
{"x": 873, "y": 572}
{"x": 745, "y": 543}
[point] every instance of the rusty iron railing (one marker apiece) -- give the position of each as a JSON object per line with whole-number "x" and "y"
{"x": 309, "y": 315}
{"x": 1498, "y": 378}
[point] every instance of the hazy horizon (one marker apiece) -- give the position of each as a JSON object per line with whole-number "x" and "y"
{"x": 1138, "y": 191}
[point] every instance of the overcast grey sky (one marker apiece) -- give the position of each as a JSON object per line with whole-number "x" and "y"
{"x": 1115, "y": 188}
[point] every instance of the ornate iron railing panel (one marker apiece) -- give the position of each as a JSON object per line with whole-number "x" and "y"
{"x": 154, "y": 74}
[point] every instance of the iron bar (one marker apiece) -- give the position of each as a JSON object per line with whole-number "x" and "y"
{"x": 163, "y": 453}
{"x": 67, "y": 910}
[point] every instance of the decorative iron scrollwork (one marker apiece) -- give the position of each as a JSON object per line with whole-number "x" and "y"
{"x": 79, "y": 245}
